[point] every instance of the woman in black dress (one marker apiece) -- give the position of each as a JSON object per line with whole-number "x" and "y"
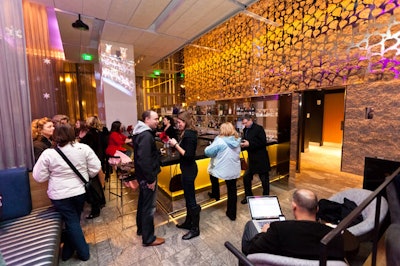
{"x": 187, "y": 150}
{"x": 168, "y": 129}
{"x": 92, "y": 138}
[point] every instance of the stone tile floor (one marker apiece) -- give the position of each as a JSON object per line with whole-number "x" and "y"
{"x": 113, "y": 240}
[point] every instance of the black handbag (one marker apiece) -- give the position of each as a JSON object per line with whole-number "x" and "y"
{"x": 94, "y": 191}
{"x": 175, "y": 184}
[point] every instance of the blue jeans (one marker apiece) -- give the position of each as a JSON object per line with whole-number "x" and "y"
{"x": 189, "y": 191}
{"x": 70, "y": 210}
{"x": 145, "y": 213}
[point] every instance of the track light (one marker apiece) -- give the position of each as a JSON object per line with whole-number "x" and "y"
{"x": 80, "y": 25}
{"x": 260, "y": 18}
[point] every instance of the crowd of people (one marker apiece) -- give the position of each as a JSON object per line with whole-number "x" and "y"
{"x": 89, "y": 144}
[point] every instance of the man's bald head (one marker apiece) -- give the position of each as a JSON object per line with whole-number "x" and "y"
{"x": 306, "y": 200}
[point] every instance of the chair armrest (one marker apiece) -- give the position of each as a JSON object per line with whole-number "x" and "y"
{"x": 243, "y": 260}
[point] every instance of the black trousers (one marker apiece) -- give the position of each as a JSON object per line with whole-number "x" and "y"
{"x": 232, "y": 194}
{"x": 248, "y": 178}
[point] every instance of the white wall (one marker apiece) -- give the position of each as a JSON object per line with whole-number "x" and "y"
{"x": 119, "y": 106}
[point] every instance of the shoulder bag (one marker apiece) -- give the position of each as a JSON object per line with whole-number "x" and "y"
{"x": 243, "y": 163}
{"x": 94, "y": 193}
{"x": 175, "y": 184}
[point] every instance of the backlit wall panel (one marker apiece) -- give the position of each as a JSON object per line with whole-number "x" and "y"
{"x": 319, "y": 44}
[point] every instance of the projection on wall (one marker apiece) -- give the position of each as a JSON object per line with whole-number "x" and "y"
{"x": 117, "y": 66}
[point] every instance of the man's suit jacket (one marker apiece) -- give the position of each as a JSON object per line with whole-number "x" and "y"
{"x": 298, "y": 239}
{"x": 258, "y": 158}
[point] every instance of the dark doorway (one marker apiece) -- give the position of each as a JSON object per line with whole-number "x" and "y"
{"x": 313, "y": 113}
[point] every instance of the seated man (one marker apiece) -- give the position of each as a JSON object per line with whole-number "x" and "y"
{"x": 298, "y": 238}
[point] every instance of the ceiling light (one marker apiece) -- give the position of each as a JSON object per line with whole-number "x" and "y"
{"x": 260, "y": 18}
{"x": 80, "y": 25}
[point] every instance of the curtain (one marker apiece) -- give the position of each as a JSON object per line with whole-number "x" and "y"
{"x": 33, "y": 78}
{"x": 44, "y": 61}
{"x": 56, "y": 86}
{"x": 77, "y": 91}
{"x": 15, "y": 116}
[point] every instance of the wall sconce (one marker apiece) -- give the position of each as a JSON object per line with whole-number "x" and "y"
{"x": 369, "y": 112}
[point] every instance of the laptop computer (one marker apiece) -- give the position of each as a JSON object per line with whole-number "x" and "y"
{"x": 264, "y": 209}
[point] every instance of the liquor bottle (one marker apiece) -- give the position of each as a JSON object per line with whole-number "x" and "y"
{"x": 252, "y": 110}
{"x": 238, "y": 110}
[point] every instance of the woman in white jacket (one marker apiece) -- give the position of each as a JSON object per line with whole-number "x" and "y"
{"x": 66, "y": 190}
{"x": 225, "y": 164}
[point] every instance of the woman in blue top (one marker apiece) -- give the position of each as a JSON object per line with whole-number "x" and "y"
{"x": 225, "y": 164}
{"x": 187, "y": 150}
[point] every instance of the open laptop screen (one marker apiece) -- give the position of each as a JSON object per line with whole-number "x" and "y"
{"x": 264, "y": 207}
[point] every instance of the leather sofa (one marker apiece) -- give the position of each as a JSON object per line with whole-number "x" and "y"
{"x": 27, "y": 237}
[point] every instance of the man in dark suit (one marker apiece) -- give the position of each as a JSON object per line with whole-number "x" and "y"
{"x": 255, "y": 142}
{"x": 298, "y": 238}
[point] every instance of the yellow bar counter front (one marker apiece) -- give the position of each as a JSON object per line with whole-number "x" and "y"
{"x": 170, "y": 198}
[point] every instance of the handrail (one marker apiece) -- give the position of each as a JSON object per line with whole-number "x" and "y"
{"x": 243, "y": 260}
{"x": 348, "y": 219}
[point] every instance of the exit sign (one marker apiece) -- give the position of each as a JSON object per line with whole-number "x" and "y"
{"x": 87, "y": 57}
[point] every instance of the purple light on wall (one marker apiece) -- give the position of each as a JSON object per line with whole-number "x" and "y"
{"x": 54, "y": 31}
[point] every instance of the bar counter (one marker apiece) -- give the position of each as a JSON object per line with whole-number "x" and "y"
{"x": 173, "y": 202}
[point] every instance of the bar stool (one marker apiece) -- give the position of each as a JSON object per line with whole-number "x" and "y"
{"x": 111, "y": 162}
{"x": 116, "y": 187}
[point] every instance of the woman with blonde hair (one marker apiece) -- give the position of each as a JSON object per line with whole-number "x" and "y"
{"x": 187, "y": 149}
{"x": 42, "y": 131}
{"x": 225, "y": 164}
{"x": 92, "y": 139}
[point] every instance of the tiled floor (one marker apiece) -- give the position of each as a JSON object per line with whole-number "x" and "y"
{"x": 110, "y": 244}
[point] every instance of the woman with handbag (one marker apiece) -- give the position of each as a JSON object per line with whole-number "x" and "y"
{"x": 187, "y": 150}
{"x": 65, "y": 189}
{"x": 92, "y": 139}
{"x": 225, "y": 164}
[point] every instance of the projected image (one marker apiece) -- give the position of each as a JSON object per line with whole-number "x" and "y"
{"x": 118, "y": 69}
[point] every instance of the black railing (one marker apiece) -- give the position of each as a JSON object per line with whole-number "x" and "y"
{"x": 346, "y": 221}
{"x": 243, "y": 260}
